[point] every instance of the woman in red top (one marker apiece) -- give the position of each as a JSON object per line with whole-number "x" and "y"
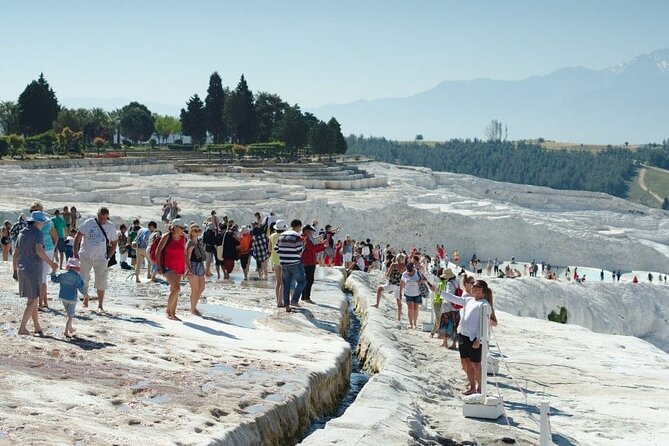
{"x": 338, "y": 256}
{"x": 171, "y": 255}
{"x": 309, "y": 259}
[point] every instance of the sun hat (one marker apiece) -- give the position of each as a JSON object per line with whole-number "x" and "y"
{"x": 448, "y": 274}
{"x": 280, "y": 225}
{"x": 37, "y": 216}
{"x": 73, "y": 263}
{"x": 179, "y": 222}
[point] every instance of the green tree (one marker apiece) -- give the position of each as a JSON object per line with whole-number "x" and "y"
{"x": 269, "y": 110}
{"x": 166, "y": 126}
{"x": 9, "y": 117}
{"x": 214, "y": 104}
{"x": 38, "y": 107}
{"x": 136, "y": 122}
{"x": 292, "y": 128}
{"x": 240, "y": 114}
{"x": 69, "y": 140}
{"x": 194, "y": 119}
{"x": 319, "y": 138}
{"x": 336, "y": 141}
{"x": 99, "y": 124}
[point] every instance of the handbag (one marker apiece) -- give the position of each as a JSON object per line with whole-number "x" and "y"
{"x": 112, "y": 259}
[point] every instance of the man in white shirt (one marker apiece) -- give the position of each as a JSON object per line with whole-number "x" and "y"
{"x": 94, "y": 252}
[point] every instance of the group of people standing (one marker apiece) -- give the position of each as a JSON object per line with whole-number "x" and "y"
{"x": 457, "y": 301}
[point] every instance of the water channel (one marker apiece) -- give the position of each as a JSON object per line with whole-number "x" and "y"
{"x": 358, "y": 377}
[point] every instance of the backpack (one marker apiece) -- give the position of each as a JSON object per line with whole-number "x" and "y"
{"x": 152, "y": 250}
{"x": 458, "y": 292}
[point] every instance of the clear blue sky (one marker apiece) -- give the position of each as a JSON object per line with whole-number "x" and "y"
{"x": 309, "y": 52}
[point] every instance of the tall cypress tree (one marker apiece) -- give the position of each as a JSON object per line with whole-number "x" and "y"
{"x": 214, "y": 104}
{"x": 240, "y": 114}
{"x": 336, "y": 141}
{"x": 38, "y": 107}
{"x": 194, "y": 119}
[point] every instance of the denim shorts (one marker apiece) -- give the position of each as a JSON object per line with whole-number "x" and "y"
{"x": 413, "y": 299}
{"x": 70, "y": 306}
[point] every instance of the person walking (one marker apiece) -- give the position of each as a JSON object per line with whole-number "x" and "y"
{"x": 50, "y": 239}
{"x": 141, "y": 244}
{"x": 290, "y": 247}
{"x": 410, "y": 284}
{"x": 171, "y": 260}
{"x": 70, "y": 282}
{"x": 94, "y": 244}
{"x": 60, "y": 225}
{"x": 394, "y": 275}
{"x": 196, "y": 255}
{"x": 27, "y": 263}
{"x": 275, "y": 231}
{"x": 260, "y": 248}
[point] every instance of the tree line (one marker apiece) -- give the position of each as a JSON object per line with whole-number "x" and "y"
{"x": 609, "y": 170}
{"x": 36, "y": 122}
{"x": 241, "y": 117}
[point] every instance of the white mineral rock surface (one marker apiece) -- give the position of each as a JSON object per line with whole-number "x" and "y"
{"x": 249, "y": 374}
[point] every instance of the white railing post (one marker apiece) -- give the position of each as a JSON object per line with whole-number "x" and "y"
{"x": 546, "y": 437}
{"x": 485, "y": 337}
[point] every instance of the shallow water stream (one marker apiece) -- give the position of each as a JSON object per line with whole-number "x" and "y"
{"x": 358, "y": 377}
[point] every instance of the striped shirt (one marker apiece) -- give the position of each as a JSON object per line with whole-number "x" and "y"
{"x": 289, "y": 246}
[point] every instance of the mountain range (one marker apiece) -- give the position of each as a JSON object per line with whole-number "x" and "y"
{"x": 626, "y": 102}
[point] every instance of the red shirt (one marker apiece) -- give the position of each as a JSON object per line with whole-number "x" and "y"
{"x": 310, "y": 251}
{"x": 174, "y": 255}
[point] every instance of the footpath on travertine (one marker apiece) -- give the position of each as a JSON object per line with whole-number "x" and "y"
{"x": 246, "y": 373}
{"x": 603, "y": 389}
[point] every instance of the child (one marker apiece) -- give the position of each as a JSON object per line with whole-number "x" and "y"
{"x": 69, "y": 244}
{"x": 70, "y": 282}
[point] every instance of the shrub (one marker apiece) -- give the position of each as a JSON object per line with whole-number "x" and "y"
{"x": 560, "y": 317}
{"x": 42, "y": 143}
{"x": 4, "y": 146}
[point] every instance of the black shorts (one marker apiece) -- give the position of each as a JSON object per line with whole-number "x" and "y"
{"x": 467, "y": 351}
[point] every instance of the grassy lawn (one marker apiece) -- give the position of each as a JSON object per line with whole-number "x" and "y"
{"x": 638, "y": 195}
{"x": 658, "y": 182}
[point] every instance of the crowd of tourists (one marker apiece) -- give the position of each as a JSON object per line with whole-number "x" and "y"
{"x": 41, "y": 245}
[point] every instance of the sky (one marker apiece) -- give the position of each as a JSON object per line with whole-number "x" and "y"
{"x": 307, "y": 52}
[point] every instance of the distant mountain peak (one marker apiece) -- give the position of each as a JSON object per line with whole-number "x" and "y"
{"x": 657, "y": 61}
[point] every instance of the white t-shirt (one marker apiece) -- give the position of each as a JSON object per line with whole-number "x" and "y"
{"x": 93, "y": 245}
{"x": 411, "y": 286}
{"x": 361, "y": 263}
{"x": 471, "y": 323}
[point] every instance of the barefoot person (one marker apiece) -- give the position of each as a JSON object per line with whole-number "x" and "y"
{"x": 94, "y": 245}
{"x": 410, "y": 288}
{"x": 276, "y": 230}
{"x": 394, "y": 274}
{"x": 70, "y": 282}
{"x": 28, "y": 268}
{"x": 196, "y": 255}
{"x": 171, "y": 260}
{"x": 477, "y": 296}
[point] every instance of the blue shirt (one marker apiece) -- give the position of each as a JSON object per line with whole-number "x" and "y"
{"x": 142, "y": 239}
{"x": 70, "y": 282}
{"x": 48, "y": 241}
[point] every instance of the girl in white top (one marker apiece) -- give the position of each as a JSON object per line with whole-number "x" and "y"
{"x": 476, "y": 296}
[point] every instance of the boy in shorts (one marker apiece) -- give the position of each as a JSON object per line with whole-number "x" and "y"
{"x": 70, "y": 282}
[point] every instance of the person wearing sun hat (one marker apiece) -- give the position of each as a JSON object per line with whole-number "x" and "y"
{"x": 276, "y": 230}
{"x": 28, "y": 260}
{"x": 70, "y": 282}
{"x": 171, "y": 260}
